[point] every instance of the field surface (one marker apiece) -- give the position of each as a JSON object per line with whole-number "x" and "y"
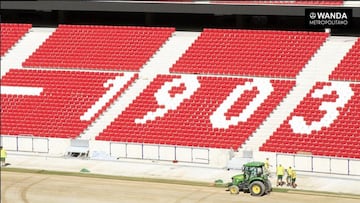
{"x": 27, "y": 187}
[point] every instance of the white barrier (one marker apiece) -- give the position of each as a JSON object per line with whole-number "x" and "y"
{"x": 200, "y": 156}
{"x": 354, "y": 167}
{"x": 29, "y": 143}
{"x": 184, "y": 154}
{"x": 118, "y": 149}
{"x": 319, "y": 164}
{"x": 155, "y": 152}
{"x": 41, "y": 145}
{"x": 212, "y": 157}
{"x": 167, "y": 153}
{"x": 134, "y": 151}
{"x": 9, "y": 143}
{"x": 25, "y": 143}
{"x": 151, "y": 152}
{"x": 339, "y": 166}
{"x": 58, "y": 146}
{"x": 301, "y": 160}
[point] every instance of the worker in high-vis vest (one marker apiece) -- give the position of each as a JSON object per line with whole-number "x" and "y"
{"x": 288, "y": 176}
{"x": 280, "y": 173}
{"x": 267, "y": 166}
{"x": 293, "y": 178}
{"x": 3, "y": 155}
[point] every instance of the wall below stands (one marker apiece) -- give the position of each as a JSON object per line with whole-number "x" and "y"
{"x": 187, "y": 155}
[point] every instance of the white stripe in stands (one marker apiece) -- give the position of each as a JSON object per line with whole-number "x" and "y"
{"x": 167, "y": 101}
{"x": 114, "y": 86}
{"x": 218, "y": 118}
{"x": 343, "y": 90}
{"x": 17, "y": 90}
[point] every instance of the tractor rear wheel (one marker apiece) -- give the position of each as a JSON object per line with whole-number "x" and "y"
{"x": 234, "y": 190}
{"x": 257, "y": 188}
{"x": 268, "y": 187}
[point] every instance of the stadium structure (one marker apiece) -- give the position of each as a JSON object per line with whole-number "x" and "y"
{"x": 198, "y": 83}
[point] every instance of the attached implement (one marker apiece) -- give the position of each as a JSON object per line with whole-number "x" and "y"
{"x": 253, "y": 180}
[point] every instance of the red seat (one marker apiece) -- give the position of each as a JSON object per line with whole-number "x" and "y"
{"x": 251, "y": 56}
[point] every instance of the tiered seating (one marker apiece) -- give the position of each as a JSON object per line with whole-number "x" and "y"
{"x": 58, "y": 110}
{"x": 193, "y": 112}
{"x": 349, "y": 67}
{"x": 250, "y": 53}
{"x": 10, "y": 34}
{"x": 325, "y": 123}
{"x": 291, "y": 2}
{"x": 99, "y": 47}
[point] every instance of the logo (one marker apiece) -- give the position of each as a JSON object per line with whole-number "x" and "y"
{"x": 312, "y": 15}
{"x": 328, "y": 18}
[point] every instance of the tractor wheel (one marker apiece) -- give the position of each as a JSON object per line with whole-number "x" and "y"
{"x": 234, "y": 190}
{"x": 268, "y": 187}
{"x": 257, "y": 188}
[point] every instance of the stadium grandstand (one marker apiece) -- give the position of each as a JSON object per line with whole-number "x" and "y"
{"x": 201, "y": 83}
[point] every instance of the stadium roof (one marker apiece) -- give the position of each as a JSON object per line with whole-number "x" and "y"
{"x": 197, "y": 7}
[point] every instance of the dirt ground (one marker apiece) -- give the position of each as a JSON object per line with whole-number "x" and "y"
{"x": 46, "y": 188}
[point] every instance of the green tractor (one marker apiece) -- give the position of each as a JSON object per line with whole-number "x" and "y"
{"x": 253, "y": 180}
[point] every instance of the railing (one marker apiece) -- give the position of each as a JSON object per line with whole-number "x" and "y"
{"x": 160, "y": 152}
{"x": 25, "y": 143}
{"x": 54, "y": 147}
{"x": 320, "y": 164}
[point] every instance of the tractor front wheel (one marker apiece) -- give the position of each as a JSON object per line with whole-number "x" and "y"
{"x": 257, "y": 188}
{"x": 234, "y": 190}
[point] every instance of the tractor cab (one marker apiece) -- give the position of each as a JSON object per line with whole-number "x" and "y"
{"x": 252, "y": 170}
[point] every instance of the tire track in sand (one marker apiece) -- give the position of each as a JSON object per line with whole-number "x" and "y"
{"x": 16, "y": 191}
